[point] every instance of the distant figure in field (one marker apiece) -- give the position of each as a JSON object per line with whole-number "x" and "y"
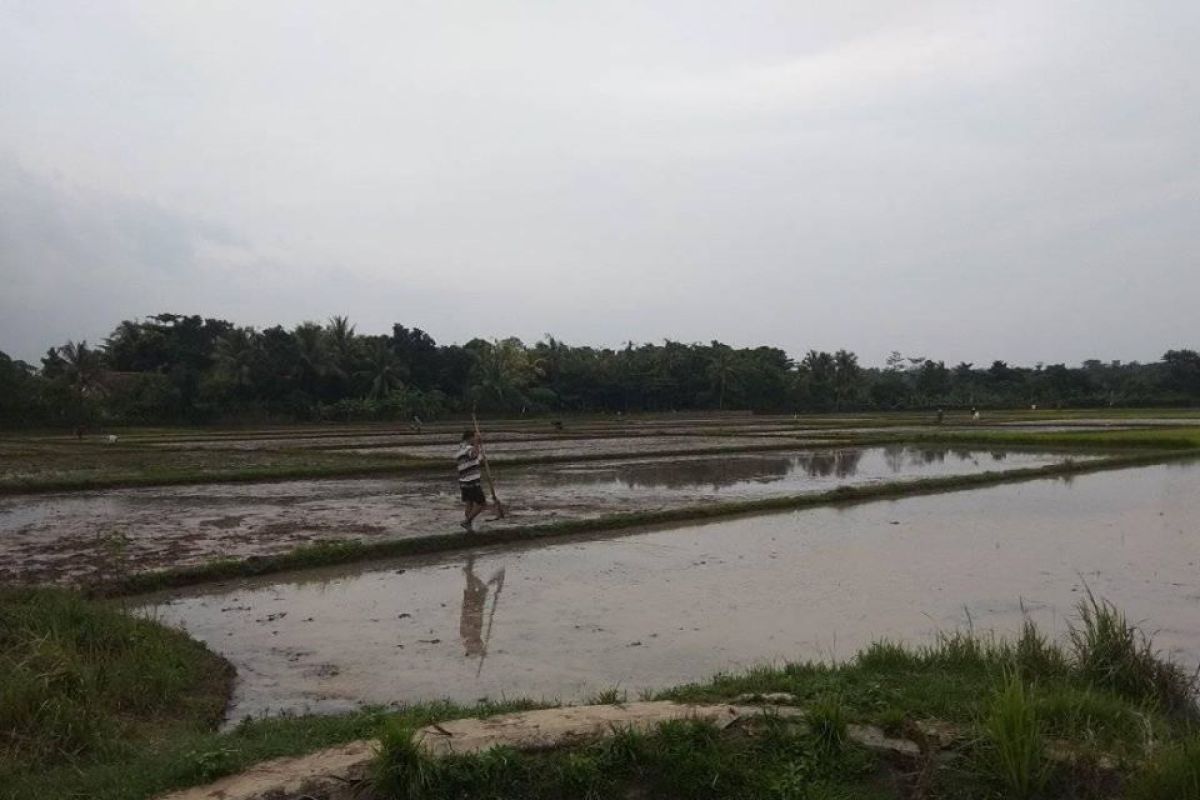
{"x": 941, "y": 415}
{"x": 470, "y": 478}
{"x": 1033, "y": 407}
{"x": 558, "y": 426}
{"x": 975, "y": 414}
{"x": 112, "y": 438}
{"x": 416, "y": 424}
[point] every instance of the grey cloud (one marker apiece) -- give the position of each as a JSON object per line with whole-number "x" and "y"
{"x": 962, "y": 180}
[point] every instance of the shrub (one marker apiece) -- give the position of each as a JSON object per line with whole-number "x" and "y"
{"x": 1113, "y": 654}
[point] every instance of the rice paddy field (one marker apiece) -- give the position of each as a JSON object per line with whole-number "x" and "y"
{"x": 326, "y": 564}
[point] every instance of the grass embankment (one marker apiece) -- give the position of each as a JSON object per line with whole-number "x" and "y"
{"x": 98, "y": 704}
{"x": 1173, "y": 438}
{"x": 82, "y": 683}
{"x": 329, "y": 553}
{"x": 1097, "y": 716}
{"x": 681, "y": 759}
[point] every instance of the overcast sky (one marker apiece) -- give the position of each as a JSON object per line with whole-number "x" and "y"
{"x": 966, "y": 181}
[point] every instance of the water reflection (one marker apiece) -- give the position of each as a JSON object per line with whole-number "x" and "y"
{"x": 471, "y": 629}
{"x": 722, "y": 472}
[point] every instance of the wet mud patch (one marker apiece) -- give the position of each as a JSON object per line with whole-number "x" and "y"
{"x": 223, "y": 523}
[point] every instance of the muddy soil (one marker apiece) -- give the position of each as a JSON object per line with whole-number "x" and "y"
{"x": 659, "y": 608}
{"x": 79, "y": 536}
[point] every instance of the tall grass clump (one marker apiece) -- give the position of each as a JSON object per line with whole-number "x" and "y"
{"x": 1015, "y": 746}
{"x": 1173, "y": 772}
{"x": 827, "y": 720}
{"x": 1111, "y": 653}
{"x": 404, "y": 770}
{"x": 77, "y": 678}
{"x": 1035, "y": 655}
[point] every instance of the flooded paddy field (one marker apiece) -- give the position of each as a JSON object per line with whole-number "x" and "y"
{"x": 657, "y": 608}
{"x": 539, "y": 439}
{"x": 41, "y": 462}
{"x": 80, "y": 536}
{"x": 592, "y": 447}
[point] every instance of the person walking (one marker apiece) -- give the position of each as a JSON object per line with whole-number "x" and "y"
{"x": 470, "y": 478}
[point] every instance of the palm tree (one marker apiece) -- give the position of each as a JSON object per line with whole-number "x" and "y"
{"x": 816, "y": 377}
{"x": 340, "y": 334}
{"x": 312, "y": 355}
{"x": 501, "y": 374}
{"x": 84, "y": 370}
{"x": 384, "y": 370}
{"x": 847, "y": 375}
{"x": 723, "y": 367}
{"x": 237, "y": 354}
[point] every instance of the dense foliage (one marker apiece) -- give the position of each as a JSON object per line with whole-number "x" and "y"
{"x": 172, "y": 368}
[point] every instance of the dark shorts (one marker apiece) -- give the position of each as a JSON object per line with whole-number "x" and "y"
{"x": 472, "y": 493}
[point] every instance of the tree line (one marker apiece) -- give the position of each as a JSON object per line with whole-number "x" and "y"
{"x": 172, "y": 368}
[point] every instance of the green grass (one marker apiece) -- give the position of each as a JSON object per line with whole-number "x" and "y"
{"x": 1172, "y": 438}
{"x": 680, "y": 759}
{"x": 1113, "y": 654}
{"x": 1173, "y": 772}
{"x": 329, "y": 553}
{"x": 193, "y": 757}
{"x": 1014, "y": 743}
{"x": 82, "y": 681}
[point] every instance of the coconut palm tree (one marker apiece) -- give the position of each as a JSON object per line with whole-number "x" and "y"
{"x": 724, "y": 368}
{"x": 502, "y": 372}
{"x": 847, "y": 377}
{"x": 237, "y": 354}
{"x": 313, "y": 361}
{"x": 84, "y": 369}
{"x": 340, "y": 336}
{"x": 384, "y": 372}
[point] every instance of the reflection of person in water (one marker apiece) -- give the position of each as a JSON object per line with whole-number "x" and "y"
{"x": 474, "y": 603}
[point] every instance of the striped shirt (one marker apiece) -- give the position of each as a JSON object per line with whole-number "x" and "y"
{"x": 468, "y": 459}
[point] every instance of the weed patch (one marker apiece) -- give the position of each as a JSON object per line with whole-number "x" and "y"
{"x": 79, "y": 680}
{"x": 1113, "y": 654}
{"x": 680, "y": 759}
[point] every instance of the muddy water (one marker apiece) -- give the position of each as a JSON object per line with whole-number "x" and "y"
{"x": 79, "y": 535}
{"x": 673, "y": 605}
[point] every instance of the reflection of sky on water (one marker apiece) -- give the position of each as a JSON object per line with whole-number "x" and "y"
{"x": 725, "y": 471}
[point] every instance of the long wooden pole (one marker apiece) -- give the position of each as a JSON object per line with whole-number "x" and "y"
{"x": 487, "y": 470}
